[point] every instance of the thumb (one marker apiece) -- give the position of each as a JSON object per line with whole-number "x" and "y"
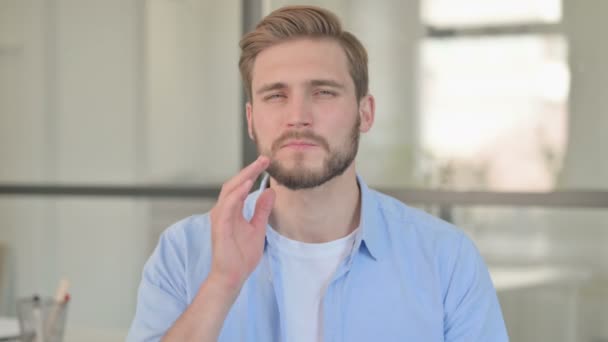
{"x": 263, "y": 207}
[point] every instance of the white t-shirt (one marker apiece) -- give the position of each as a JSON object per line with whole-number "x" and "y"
{"x": 306, "y": 269}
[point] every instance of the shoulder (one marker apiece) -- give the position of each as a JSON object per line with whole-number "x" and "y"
{"x": 189, "y": 227}
{"x": 166, "y": 286}
{"x": 406, "y": 221}
{"x": 424, "y": 238}
{"x": 188, "y": 232}
{"x": 183, "y": 245}
{"x": 192, "y": 235}
{"x": 427, "y": 240}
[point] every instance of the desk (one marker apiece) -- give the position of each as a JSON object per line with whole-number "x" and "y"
{"x": 9, "y": 329}
{"x": 520, "y": 277}
{"x": 94, "y": 335}
{"x": 569, "y": 280}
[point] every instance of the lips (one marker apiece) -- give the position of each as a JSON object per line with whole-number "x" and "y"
{"x": 300, "y": 140}
{"x": 299, "y": 143}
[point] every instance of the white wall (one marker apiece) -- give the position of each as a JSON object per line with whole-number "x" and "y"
{"x": 391, "y": 31}
{"x": 72, "y": 102}
{"x": 586, "y": 164}
{"x": 24, "y": 148}
{"x": 108, "y": 92}
{"x": 193, "y": 103}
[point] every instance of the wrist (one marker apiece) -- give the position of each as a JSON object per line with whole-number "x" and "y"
{"x": 225, "y": 287}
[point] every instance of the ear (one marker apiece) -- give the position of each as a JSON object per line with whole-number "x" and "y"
{"x": 248, "y": 110}
{"x": 367, "y": 112}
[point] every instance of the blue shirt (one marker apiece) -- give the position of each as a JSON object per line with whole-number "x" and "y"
{"x": 410, "y": 277}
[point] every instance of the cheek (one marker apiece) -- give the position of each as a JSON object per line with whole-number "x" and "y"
{"x": 264, "y": 131}
{"x": 339, "y": 122}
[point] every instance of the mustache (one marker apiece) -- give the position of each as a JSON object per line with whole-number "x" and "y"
{"x": 299, "y": 135}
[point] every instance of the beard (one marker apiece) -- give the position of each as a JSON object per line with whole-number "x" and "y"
{"x": 299, "y": 177}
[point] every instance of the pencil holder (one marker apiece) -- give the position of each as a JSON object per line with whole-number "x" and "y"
{"x": 41, "y": 319}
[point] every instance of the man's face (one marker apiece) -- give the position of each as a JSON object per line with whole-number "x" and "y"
{"x": 304, "y": 113}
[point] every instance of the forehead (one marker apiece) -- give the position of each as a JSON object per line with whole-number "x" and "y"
{"x": 299, "y": 60}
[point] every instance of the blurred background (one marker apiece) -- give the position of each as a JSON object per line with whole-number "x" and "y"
{"x": 119, "y": 117}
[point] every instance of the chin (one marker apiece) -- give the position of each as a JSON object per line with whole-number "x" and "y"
{"x": 300, "y": 169}
{"x": 298, "y": 177}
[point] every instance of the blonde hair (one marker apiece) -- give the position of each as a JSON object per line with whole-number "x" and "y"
{"x": 303, "y": 21}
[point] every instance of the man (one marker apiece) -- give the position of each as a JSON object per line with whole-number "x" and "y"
{"x": 314, "y": 254}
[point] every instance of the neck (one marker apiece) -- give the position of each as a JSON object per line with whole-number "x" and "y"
{"x": 325, "y": 213}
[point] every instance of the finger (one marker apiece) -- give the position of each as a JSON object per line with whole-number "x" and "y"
{"x": 263, "y": 208}
{"x": 252, "y": 171}
{"x": 232, "y": 205}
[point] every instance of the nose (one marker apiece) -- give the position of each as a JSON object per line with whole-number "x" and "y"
{"x": 299, "y": 113}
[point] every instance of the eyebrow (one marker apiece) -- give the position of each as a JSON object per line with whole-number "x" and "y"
{"x": 314, "y": 83}
{"x": 328, "y": 83}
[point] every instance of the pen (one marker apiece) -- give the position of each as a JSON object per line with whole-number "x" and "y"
{"x": 61, "y": 298}
{"x": 37, "y": 317}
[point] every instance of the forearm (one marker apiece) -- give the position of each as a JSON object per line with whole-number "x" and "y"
{"x": 204, "y": 318}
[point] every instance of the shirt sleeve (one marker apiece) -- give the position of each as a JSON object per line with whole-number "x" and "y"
{"x": 161, "y": 297}
{"x": 471, "y": 308}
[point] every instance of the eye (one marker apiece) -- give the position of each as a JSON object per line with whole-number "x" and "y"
{"x": 274, "y": 97}
{"x": 324, "y": 93}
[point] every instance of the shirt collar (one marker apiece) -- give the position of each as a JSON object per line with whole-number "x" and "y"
{"x": 371, "y": 224}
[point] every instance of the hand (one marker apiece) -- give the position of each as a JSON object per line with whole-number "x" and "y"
{"x": 238, "y": 244}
